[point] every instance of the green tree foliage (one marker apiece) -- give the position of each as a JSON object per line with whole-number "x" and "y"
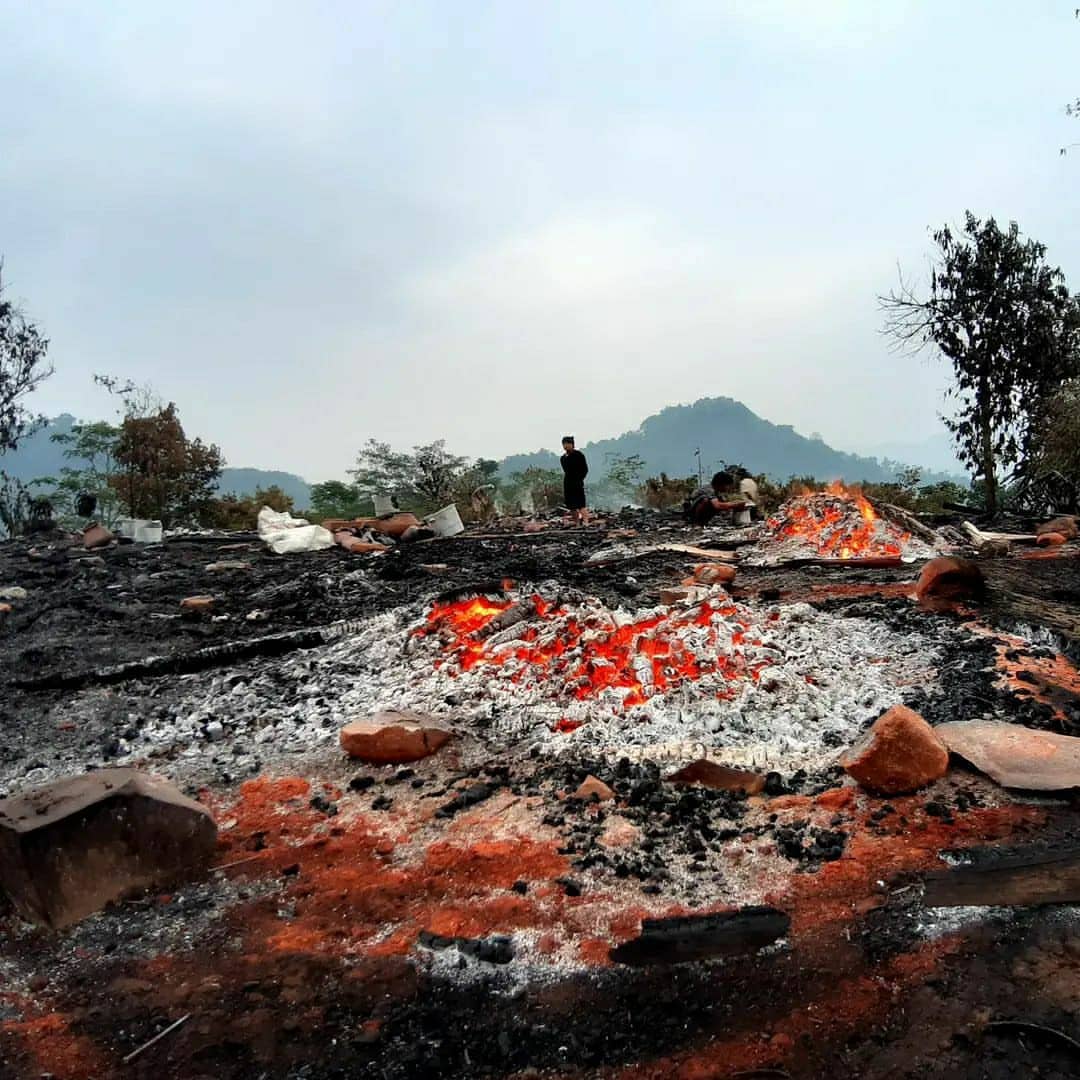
{"x": 624, "y": 472}
{"x": 1009, "y": 327}
{"x": 91, "y": 449}
{"x": 22, "y": 368}
{"x": 422, "y": 480}
{"x": 1049, "y": 479}
{"x": 236, "y": 513}
{"x": 337, "y": 499}
{"x": 664, "y": 492}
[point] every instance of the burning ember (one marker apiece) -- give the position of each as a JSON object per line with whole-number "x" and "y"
{"x": 595, "y": 653}
{"x": 835, "y": 524}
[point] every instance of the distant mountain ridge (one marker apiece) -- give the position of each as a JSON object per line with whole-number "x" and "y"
{"x": 38, "y": 456}
{"x": 725, "y": 430}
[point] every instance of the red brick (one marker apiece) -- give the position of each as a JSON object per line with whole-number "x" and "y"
{"x": 949, "y": 578}
{"x": 900, "y": 753}
{"x": 392, "y": 737}
{"x": 712, "y": 774}
{"x": 96, "y": 536}
{"x": 1050, "y": 539}
{"x": 714, "y": 574}
{"x": 1064, "y": 526}
{"x": 591, "y": 786}
{"x": 198, "y": 605}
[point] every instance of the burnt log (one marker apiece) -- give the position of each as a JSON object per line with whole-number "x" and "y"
{"x": 700, "y": 937}
{"x": 1024, "y": 880}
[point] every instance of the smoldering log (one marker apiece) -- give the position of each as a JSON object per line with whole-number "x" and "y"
{"x": 1018, "y": 880}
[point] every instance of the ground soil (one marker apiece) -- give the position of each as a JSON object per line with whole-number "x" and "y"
{"x": 334, "y": 941}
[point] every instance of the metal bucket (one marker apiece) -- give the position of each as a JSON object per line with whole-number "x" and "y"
{"x": 446, "y": 522}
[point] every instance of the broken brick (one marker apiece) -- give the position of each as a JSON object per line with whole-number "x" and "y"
{"x": 1014, "y": 756}
{"x": 392, "y": 737}
{"x": 900, "y": 753}
{"x": 714, "y": 574}
{"x": 591, "y": 786}
{"x": 712, "y": 774}
{"x": 1063, "y": 526}
{"x": 949, "y": 578}
{"x": 96, "y": 536}
{"x": 1050, "y": 539}
{"x": 71, "y": 847}
{"x": 197, "y": 605}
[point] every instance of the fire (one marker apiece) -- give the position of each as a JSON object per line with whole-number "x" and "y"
{"x": 838, "y": 523}
{"x": 583, "y": 656}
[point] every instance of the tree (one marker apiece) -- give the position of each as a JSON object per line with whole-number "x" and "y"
{"x": 161, "y": 474}
{"x": 235, "y": 513}
{"x": 91, "y": 447}
{"x": 421, "y": 480}
{"x": 1049, "y": 479}
{"x": 22, "y": 368}
{"x": 624, "y": 472}
{"x": 336, "y": 499}
{"x": 1006, "y": 322}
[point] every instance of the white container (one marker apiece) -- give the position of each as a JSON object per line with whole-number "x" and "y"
{"x": 384, "y": 504}
{"x": 446, "y": 522}
{"x": 149, "y": 532}
{"x": 742, "y": 517}
{"x": 128, "y": 527}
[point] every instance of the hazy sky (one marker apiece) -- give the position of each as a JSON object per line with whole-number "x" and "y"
{"x": 315, "y": 223}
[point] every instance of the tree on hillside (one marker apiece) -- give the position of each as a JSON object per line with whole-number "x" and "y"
{"x": 1011, "y": 330}
{"x": 22, "y": 368}
{"x": 1049, "y": 479}
{"x": 336, "y": 499}
{"x": 424, "y": 479}
{"x": 91, "y": 449}
{"x": 624, "y": 472}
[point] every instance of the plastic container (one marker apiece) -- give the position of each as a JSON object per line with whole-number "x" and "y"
{"x": 384, "y": 504}
{"x": 742, "y": 517}
{"x": 446, "y": 522}
{"x": 149, "y": 532}
{"x": 128, "y": 527}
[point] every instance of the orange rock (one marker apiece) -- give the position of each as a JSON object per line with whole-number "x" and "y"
{"x": 1050, "y": 539}
{"x": 951, "y": 579}
{"x": 5, "y": 609}
{"x": 591, "y": 786}
{"x": 1063, "y": 526}
{"x": 197, "y": 605}
{"x": 712, "y": 774}
{"x": 900, "y": 753}
{"x": 96, "y": 536}
{"x": 714, "y": 574}
{"x": 392, "y": 737}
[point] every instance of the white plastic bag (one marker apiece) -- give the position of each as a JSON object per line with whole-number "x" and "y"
{"x": 286, "y": 535}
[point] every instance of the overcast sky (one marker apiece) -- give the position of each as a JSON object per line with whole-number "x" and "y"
{"x": 314, "y": 223}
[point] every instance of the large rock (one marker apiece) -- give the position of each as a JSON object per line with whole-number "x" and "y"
{"x": 1016, "y": 757}
{"x": 900, "y": 753}
{"x": 949, "y": 578}
{"x": 392, "y": 737}
{"x": 71, "y": 847}
{"x": 1065, "y": 526}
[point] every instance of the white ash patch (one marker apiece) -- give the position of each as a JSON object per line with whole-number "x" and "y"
{"x": 822, "y": 678}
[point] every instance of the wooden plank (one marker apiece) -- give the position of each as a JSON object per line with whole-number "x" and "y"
{"x": 1012, "y": 881}
{"x": 980, "y": 537}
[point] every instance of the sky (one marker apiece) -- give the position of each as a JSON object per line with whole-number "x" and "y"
{"x": 311, "y": 224}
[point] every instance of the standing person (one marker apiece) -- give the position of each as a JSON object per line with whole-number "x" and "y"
{"x": 575, "y": 468}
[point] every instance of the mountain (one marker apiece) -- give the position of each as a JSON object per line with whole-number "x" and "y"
{"x": 726, "y": 431}
{"x": 38, "y": 456}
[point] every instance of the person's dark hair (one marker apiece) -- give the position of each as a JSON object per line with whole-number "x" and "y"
{"x": 722, "y": 481}
{"x": 568, "y": 439}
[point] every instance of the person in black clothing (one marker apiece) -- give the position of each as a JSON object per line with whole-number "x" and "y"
{"x": 707, "y": 502}
{"x": 575, "y": 469}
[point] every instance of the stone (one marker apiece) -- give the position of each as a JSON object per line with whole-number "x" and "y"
{"x": 712, "y": 774}
{"x": 591, "y": 786}
{"x": 950, "y": 578}
{"x": 197, "y": 605}
{"x": 1050, "y": 539}
{"x": 393, "y": 736}
{"x": 994, "y": 549}
{"x": 13, "y": 593}
{"x": 1064, "y": 526}
{"x": 899, "y": 754}
{"x": 1014, "y": 756}
{"x": 714, "y": 574}
{"x": 96, "y": 536}
{"x": 69, "y": 848}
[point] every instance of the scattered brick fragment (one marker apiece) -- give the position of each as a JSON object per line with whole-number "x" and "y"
{"x": 393, "y": 737}
{"x": 949, "y": 578}
{"x": 899, "y": 754}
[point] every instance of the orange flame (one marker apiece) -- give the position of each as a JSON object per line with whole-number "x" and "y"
{"x": 825, "y": 523}
{"x": 584, "y": 658}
